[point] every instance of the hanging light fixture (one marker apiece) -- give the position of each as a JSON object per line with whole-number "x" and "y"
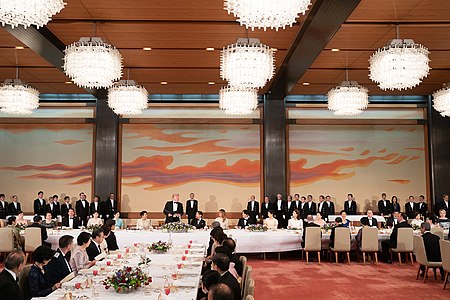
{"x": 348, "y": 99}
{"x": 29, "y": 12}
{"x": 248, "y": 63}
{"x": 441, "y": 101}
{"x": 237, "y": 100}
{"x": 92, "y": 63}
{"x": 127, "y": 98}
{"x": 18, "y": 98}
{"x": 265, "y": 14}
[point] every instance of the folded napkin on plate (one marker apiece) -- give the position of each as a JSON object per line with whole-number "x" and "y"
{"x": 195, "y": 255}
{"x": 189, "y": 271}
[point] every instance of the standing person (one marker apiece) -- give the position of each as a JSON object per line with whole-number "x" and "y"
{"x": 191, "y": 207}
{"x": 58, "y": 267}
{"x": 422, "y": 206}
{"x": 410, "y": 207}
{"x": 297, "y": 201}
{"x": 173, "y": 209}
{"x": 65, "y": 207}
{"x": 53, "y": 206}
{"x": 39, "y": 204}
{"x": 322, "y": 207}
{"x": 253, "y": 209}
{"x": 281, "y": 211}
{"x": 110, "y": 207}
{"x": 96, "y": 206}
{"x": 310, "y": 206}
{"x": 350, "y": 205}
{"x": 384, "y": 206}
{"x": 3, "y": 207}
{"x": 443, "y": 204}
{"x": 82, "y": 209}
{"x": 14, "y": 206}
{"x": 266, "y": 207}
{"x": 330, "y": 207}
{"x": 303, "y": 208}
{"x": 14, "y": 264}
{"x": 395, "y": 206}
{"x": 290, "y": 206}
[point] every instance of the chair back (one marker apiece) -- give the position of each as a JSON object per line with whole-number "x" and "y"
{"x": 369, "y": 240}
{"x": 249, "y": 288}
{"x": 342, "y": 239}
{"x": 33, "y": 238}
{"x": 23, "y": 282}
{"x": 7, "y": 240}
{"x": 419, "y": 250}
{"x": 405, "y": 240}
{"x": 243, "y": 261}
{"x": 313, "y": 239}
{"x": 445, "y": 254}
{"x": 250, "y": 297}
{"x": 438, "y": 231}
{"x": 243, "y": 278}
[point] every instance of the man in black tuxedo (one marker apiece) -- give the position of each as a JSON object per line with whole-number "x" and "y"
{"x": 281, "y": 211}
{"x": 82, "y": 209}
{"x": 234, "y": 258}
{"x": 338, "y": 222}
{"x": 53, "y": 206}
{"x": 265, "y": 207}
{"x": 322, "y": 207}
{"x": 253, "y": 209}
{"x": 39, "y": 205}
{"x": 58, "y": 267}
{"x": 309, "y": 223}
{"x": 173, "y": 209}
{"x": 422, "y": 206}
{"x": 37, "y": 223}
{"x": 410, "y": 208}
{"x": 303, "y": 208}
{"x": 221, "y": 264}
{"x": 94, "y": 248}
{"x": 392, "y": 242}
{"x": 311, "y": 208}
{"x": 350, "y": 205}
{"x": 198, "y": 222}
{"x": 109, "y": 207}
{"x": 245, "y": 220}
{"x": 97, "y": 206}
{"x": 392, "y": 220}
{"x": 384, "y": 206}
{"x": 443, "y": 204}
{"x": 330, "y": 207}
{"x": 297, "y": 201}
{"x": 14, "y": 264}
{"x": 290, "y": 206}
{"x": 14, "y": 206}
{"x": 70, "y": 220}
{"x": 371, "y": 221}
{"x": 191, "y": 207}
{"x": 432, "y": 248}
{"x": 65, "y": 207}
{"x": 3, "y": 207}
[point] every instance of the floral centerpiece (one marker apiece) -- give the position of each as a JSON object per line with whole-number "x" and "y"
{"x": 21, "y": 226}
{"x": 93, "y": 227}
{"x": 256, "y": 228}
{"x": 177, "y": 227}
{"x": 328, "y": 226}
{"x": 160, "y": 247}
{"x": 127, "y": 280}
{"x": 415, "y": 227}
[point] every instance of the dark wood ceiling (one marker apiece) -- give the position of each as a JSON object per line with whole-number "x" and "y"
{"x": 180, "y": 31}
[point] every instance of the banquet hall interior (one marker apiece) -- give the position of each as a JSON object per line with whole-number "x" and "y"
{"x": 270, "y": 119}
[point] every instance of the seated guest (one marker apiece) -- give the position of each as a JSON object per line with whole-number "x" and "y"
{"x": 319, "y": 221}
{"x": 221, "y": 264}
{"x": 220, "y": 291}
{"x": 95, "y": 220}
{"x": 14, "y": 264}
{"x": 37, "y": 223}
{"x": 392, "y": 242}
{"x": 295, "y": 222}
{"x": 209, "y": 278}
{"x": 392, "y": 220}
{"x": 338, "y": 222}
{"x": 70, "y": 220}
{"x": 218, "y": 236}
{"x": 431, "y": 219}
{"x": 38, "y": 280}
{"x": 432, "y": 248}
{"x": 271, "y": 223}
{"x": 119, "y": 222}
{"x": 95, "y": 248}
{"x": 358, "y": 237}
{"x": 225, "y": 250}
{"x": 20, "y": 219}
{"x": 234, "y": 258}
{"x": 345, "y": 222}
{"x": 18, "y": 240}
{"x": 245, "y": 220}
{"x": 214, "y": 225}
{"x": 222, "y": 219}
{"x": 371, "y": 221}
{"x": 110, "y": 237}
{"x": 309, "y": 223}
{"x": 417, "y": 221}
{"x": 48, "y": 222}
{"x": 143, "y": 222}
{"x": 58, "y": 267}
{"x": 442, "y": 218}
{"x": 79, "y": 258}
{"x": 198, "y": 222}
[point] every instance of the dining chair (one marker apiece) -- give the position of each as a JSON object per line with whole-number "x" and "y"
{"x": 249, "y": 288}
{"x": 23, "y": 281}
{"x": 243, "y": 261}
{"x": 369, "y": 242}
{"x": 250, "y": 297}
{"x": 313, "y": 242}
{"x": 421, "y": 257}
{"x": 445, "y": 255}
{"x": 7, "y": 244}
{"x": 33, "y": 239}
{"x": 341, "y": 242}
{"x": 404, "y": 245}
{"x": 438, "y": 231}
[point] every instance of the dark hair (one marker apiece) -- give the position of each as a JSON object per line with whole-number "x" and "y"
{"x": 411, "y": 197}
{"x": 14, "y": 259}
{"x": 338, "y": 220}
{"x": 230, "y": 243}
{"x": 416, "y": 214}
{"x": 220, "y": 291}
{"x": 110, "y": 223}
{"x": 392, "y": 199}
{"x": 65, "y": 241}
{"x": 426, "y": 226}
{"x": 246, "y": 212}
{"x": 431, "y": 216}
{"x": 95, "y": 211}
{"x": 200, "y": 213}
{"x": 342, "y": 211}
{"x": 298, "y": 213}
{"x": 384, "y": 194}
{"x": 142, "y": 213}
{"x": 42, "y": 253}
{"x": 97, "y": 232}
{"x": 83, "y": 238}
{"x": 209, "y": 278}
{"x": 364, "y": 221}
{"x": 19, "y": 212}
{"x": 218, "y": 235}
{"x": 222, "y": 210}
{"x": 37, "y": 219}
{"x": 55, "y": 196}
{"x": 71, "y": 209}
{"x": 303, "y": 197}
{"x": 98, "y": 197}
{"x": 40, "y": 192}
{"x": 2, "y": 195}
{"x": 445, "y": 195}
{"x": 271, "y": 211}
{"x": 296, "y": 195}
{"x": 422, "y": 197}
{"x": 404, "y": 216}
{"x": 351, "y": 195}
{"x": 322, "y": 196}
{"x": 222, "y": 261}
{"x": 66, "y": 197}
{"x": 225, "y": 250}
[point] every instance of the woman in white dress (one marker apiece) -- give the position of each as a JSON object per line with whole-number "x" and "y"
{"x": 319, "y": 221}
{"x": 222, "y": 219}
{"x": 295, "y": 222}
{"x": 271, "y": 223}
{"x": 417, "y": 221}
{"x": 95, "y": 220}
{"x": 143, "y": 222}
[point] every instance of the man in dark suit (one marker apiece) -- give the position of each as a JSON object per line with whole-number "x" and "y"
{"x": 330, "y": 207}
{"x": 39, "y": 205}
{"x": 384, "y": 206}
{"x": 198, "y": 222}
{"x": 70, "y": 220}
{"x": 14, "y": 264}
{"x": 410, "y": 208}
{"x": 309, "y": 223}
{"x": 14, "y": 206}
{"x": 281, "y": 211}
{"x": 303, "y": 208}
{"x": 432, "y": 247}
{"x": 65, "y": 207}
{"x": 109, "y": 207}
{"x": 350, "y": 205}
{"x": 322, "y": 207}
{"x": 392, "y": 220}
{"x": 191, "y": 207}
{"x": 221, "y": 264}
{"x": 53, "y": 206}
{"x": 94, "y": 248}
{"x": 290, "y": 206}
{"x": 245, "y": 220}
{"x": 422, "y": 206}
{"x": 37, "y": 223}
{"x": 338, "y": 222}
{"x": 97, "y": 206}
{"x": 173, "y": 209}
{"x": 443, "y": 204}
{"x": 234, "y": 258}
{"x": 82, "y": 209}
{"x": 392, "y": 242}
{"x": 371, "y": 221}
{"x": 310, "y": 206}
{"x": 265, "y": 207}
{"x": 3, "y": 207}
{"x": 58, "y": 267}
{"x": 253, "y": 209}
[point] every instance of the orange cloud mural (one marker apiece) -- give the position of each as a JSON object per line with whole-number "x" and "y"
{"x": 68, "y": 142}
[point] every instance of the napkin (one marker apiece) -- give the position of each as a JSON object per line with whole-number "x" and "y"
{"x": 68, "y": 278}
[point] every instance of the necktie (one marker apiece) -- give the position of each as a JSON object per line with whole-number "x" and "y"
{"x": 99, "y": 249}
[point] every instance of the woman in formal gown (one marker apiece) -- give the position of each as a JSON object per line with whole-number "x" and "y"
{"x": 345, "y": 222}
{"x": 95, "y": 220}
{"x": 143, "y": 222}
{"x": 222, "y": 219}
{"x": 79, "y": 258}
{"x": 319, "y": 221}
{"x": 271, "y": 223}
{"x": 417, "y": 221}
{"x": 295, "y": 222}
{"x": 38, "y": 281}
{"x": 442, "y": 220}
{"x": 48, "y": 222}
{"x": 110, "y": 237}
{"x": 20, "y": 219}
{"x": 119, "y": 222}
{"x": 395, "y": 206}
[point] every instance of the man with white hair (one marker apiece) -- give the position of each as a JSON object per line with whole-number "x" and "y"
{"x": 173, "y": 209}
{"x": 371, "y": 221}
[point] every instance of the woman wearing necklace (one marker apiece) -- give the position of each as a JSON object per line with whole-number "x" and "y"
{"x": 37, "y": 279}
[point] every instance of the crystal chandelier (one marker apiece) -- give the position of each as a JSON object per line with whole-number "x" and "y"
{"x": 348, "y": 99}
{"x": 441, "y": 101}
{"x": 265, "y": 14}
{"x": 238, "y": 101}
{"x": 29, "y": 12}
{"x": 92, "y": 63}
{"x": 400, "y": 65}
{"x": 18, "y": 98}
{"x": 127, "y": 98}
{"x": 248, "y": 63}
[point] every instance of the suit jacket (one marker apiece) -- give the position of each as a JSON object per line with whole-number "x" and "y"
{"x": 265, "y": 209}
{"x": 322, "y": 209}
{"x": 422, "y": 208}
{"x": 290, "y": 209}
{"x": 232, "y": 283}
{"x": 382, "y": 209}
{"x": 9, "y": 289}
{"x": 99, "y": 208}
{"x": 441, "y": 205}
{"x": 280, "y": 212}
{"x": 12, "y": 210}
{"x": 410, "y": 210}
{"x": 43, "y": 231}
{"x": 3, "y": 210}
{"x": 310, "y": 210}
{"x": 111, "y": 241}
{"x": 65, "y": 209}
{"x": 58, "y": 267}
{"x": 198, "y": 223}
{"x": 390, "y": 222}
{"x": 108, "y": 209}
{"x": 374, "y": 221}
{"x": 394, "y": 234}
{"x": 350, "y": 209}
{"x": 330, "y": 208}
{"x": 168, "y": 209}
{"x": 39, "y": 209}
{"x": 65, "y": 222}
{"x": 432, "y": 248}
{"x": 243, "y": 222}
{"x": 191, "y": 211}
{"x": 92, "y": 251}
{"x": 255, "y": 211}
{"x": 82, "y": 212}
{"x": 55, "y": 211}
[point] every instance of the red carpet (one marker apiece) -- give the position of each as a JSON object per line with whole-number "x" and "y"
{"x": 290, "y": 278}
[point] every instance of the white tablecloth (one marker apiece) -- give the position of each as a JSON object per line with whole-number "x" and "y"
{"x": 356, "y": 218}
